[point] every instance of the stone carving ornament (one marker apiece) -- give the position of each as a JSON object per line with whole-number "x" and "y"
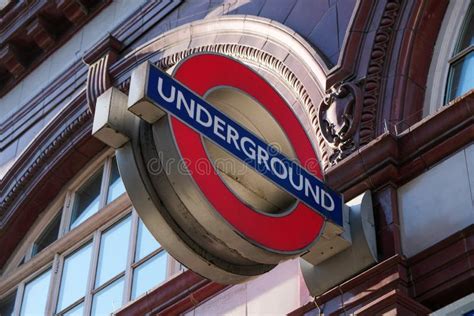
{"x": 339, "y": 117}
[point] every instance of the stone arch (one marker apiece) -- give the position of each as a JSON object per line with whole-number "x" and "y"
{"x": 279, "y": 54}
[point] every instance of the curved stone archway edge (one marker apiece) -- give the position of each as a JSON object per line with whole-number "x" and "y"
{"x": 299, "y": 74}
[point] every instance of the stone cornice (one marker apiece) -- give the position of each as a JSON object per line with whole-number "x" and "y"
{"x": 28, "y": 36}
{"x": 75, "y": 75}
{"x": 444, "y": 271}
{"x": 433, "y": 278}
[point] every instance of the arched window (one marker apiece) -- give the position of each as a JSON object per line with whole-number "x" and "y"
{"x": 451, "y": 72}
{"x": 88, "y": 253}
{"x": 461, "y": 72}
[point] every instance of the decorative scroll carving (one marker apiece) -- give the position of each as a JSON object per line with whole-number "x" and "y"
{"x": 100, "y": 59}
{"x": 378, "y": 59}
{"x": 339, "y": 117}
{"x": 98, "y": 80}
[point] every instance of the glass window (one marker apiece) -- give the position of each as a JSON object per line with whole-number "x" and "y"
{"x": 113, "y": 251}
{"x": 76, "y": 311}
{"x": 116, "y": 266}
{"x": 35, "y": 295}
{"x": 108, "y": 299}
{"x": 7, "y": 305}
{"x": 79, "y": 290}
{"x": 116, "y": 187}
{"x": 461, "y": 76}
{"x": 74, "y": 277}
{"x": 49, "y": 235}
{"x": 87, "y": 200}
{"x": 149, "y": 274}
{"x": 146, "y": 243}
{"x": 461, "y": 73}
{"x": 467, "y": 36}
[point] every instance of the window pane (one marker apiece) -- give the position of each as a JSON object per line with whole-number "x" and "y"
{"x": 36, "y": 295}
{"x": 74, "y": 277}
{"x": 86, "y": 200}
{"x": 109, "y": 299}
{"x": 146, "y": 243}
{"x": 49, "y": 235}
{"x": 76, "y": 311}
{"x": 113, "y": 251}
{"x": 116, "y": 187}
{"x": 461, "y": 77}
{"x": 149, "y": 274}
{"x": 467, "y": 38}
{"x": 7, "y": 305}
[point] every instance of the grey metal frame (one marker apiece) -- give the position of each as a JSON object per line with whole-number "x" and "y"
{"x": 127, "y": 274}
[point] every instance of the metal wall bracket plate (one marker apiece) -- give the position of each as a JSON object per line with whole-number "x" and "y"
{"x": 138, "y": 102}
{"x": 362, "y": 254}
{"x": 111, "y": 117}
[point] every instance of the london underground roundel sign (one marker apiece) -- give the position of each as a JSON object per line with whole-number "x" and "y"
{"x": 221, "y": 170}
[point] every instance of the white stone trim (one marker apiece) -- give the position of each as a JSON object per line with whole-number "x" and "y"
{"x": 267, "y": 46}
{"x": 175, "y": 39}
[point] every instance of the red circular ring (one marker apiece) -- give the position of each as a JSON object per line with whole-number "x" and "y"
{"x": 288, "y": 233}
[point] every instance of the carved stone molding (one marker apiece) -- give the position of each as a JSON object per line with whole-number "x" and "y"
{"x": 377, "y": 64}
{"x": 38, "y": 28}
{"x": 37, "y": 164}
{"x": 339, "y": 116}
{"x": 75, "y": 11}
{"x": 98, "y": 80}
{"x": 42, "y": 32}
{"x": 12, "y": 60}
{"x": 99, "y": 59}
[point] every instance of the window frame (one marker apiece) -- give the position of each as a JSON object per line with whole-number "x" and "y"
{"x": 446, "y": 43}
{"x": 458, "y": 55}
{"x": 45, "y": 231}
{"x": 15, "y": 276}
{"x": 71, "y": 195}
{"x": 62, "y": 203}
{"x": 12, "y": 291}
{"x": 127, "y": 274}
{"x": 20, "y": 289}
